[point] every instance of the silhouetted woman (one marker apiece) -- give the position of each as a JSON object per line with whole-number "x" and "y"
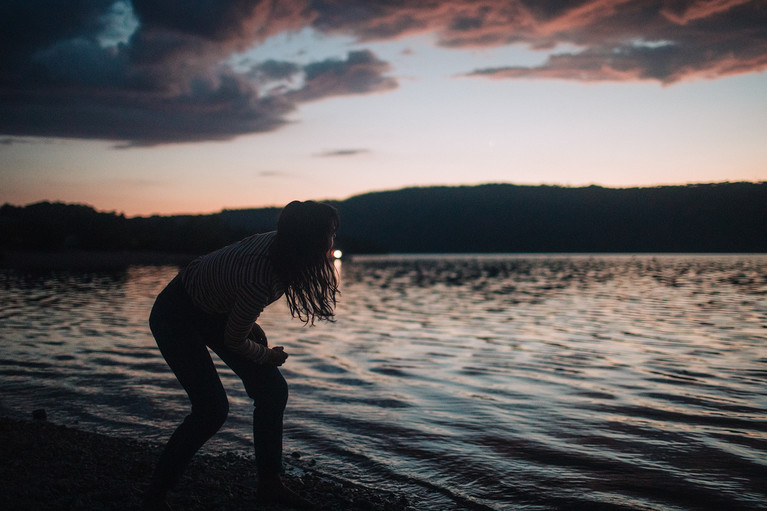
{"x": 214, "y": 302}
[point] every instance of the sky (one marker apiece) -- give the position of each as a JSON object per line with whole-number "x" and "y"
{"x": 193, "y": 106}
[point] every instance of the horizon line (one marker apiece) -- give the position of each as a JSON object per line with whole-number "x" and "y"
{"x": 389, "y": 190}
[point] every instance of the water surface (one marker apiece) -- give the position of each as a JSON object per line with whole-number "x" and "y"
{"x": 468, "y": 382}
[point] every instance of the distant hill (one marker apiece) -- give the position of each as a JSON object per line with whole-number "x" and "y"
{"x": 726, "y": 217}
{"x": 722, "y": 217}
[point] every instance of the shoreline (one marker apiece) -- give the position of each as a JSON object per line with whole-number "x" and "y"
{"x": 52, "y": 467}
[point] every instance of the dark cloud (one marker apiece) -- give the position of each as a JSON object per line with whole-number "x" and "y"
{"x": 274, "y": 70}
{"x": 361, "y": 73}
{"x": 29, "y": 25}
{"x": 78, "y": 89}
{"x": 210, "y": 19}
{"x": 238, "y": 22}
{"x": 169, "y": 81}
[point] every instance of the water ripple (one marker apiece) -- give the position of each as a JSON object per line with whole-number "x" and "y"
{"x": 469, "y": 382}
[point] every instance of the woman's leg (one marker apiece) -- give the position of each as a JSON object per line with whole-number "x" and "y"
{"x": 182, "y": 344}
{"x": 269, "y": 391}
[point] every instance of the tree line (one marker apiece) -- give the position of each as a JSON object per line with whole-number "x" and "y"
{"x": 721, "y": 217}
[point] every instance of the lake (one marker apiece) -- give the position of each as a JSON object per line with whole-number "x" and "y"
{"x": 496, "y": 382}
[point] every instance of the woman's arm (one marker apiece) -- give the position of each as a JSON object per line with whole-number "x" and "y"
{"x": 277, "y": 355}
{"x": 239, "y": 335}
{"x": 258, "y": 335}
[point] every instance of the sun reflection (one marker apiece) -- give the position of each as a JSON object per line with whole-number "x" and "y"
{"x": 337, "y": 265}
{"x": 337, "y": 254}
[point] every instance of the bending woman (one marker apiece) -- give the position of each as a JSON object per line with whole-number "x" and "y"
{"x": 214, "y": 303}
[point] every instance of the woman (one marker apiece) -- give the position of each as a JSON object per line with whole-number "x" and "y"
{"x": 214, "y": 303}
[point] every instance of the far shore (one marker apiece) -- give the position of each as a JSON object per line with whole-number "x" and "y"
{"x": 88, "y": 260}
{"x": 44, "y": 466}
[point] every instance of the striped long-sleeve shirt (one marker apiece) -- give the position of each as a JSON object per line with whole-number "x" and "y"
{"x": 239, "y": 281}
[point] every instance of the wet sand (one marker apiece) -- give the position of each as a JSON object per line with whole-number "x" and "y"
{"x": 46, "y": 466}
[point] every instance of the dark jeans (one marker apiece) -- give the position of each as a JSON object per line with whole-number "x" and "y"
{"x": 183, "y": 334}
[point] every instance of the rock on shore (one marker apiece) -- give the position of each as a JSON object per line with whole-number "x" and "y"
{"x": 50, "y": 467}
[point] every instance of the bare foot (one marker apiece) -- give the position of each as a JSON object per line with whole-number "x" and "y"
{"x": 272, "y": 491}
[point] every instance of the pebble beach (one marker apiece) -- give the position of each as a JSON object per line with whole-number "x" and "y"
{"x": 56, "y": 467}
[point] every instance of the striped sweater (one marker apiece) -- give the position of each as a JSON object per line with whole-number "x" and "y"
{"x": 237, "y": 280}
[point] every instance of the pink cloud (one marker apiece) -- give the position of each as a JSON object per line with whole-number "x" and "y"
{"x": 632, "y": 40}
{"x": 700, "y": 9}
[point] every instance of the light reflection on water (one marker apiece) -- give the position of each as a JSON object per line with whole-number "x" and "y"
{"x": 500, "y": 382}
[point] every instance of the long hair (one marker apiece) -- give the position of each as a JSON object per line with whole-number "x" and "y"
{"x": 300, "y": 255}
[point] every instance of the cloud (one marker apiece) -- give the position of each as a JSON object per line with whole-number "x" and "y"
{"x": 619, "y": 40}
{"x": 361, "y": 73}
{"x": 684, "y": 12}
{"x": 274, "y": 70}
{"x": 81, "y": 90}
{"x": 9, "y": 141}
{"x": 343, "y": 152}
{"x": 166, "y": 82}
{"x": 27, "y": 26}
{"x": 235, "y": 23}
{"x": 663, "y": 62}
{"x": 161, "y": 86}
{"x": 146, "y": 72}
{"x": 632, "y": 40}
{"x": 272, "y": 173}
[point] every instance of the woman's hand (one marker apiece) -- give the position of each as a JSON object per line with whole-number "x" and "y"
{"x": 277, "y": 356}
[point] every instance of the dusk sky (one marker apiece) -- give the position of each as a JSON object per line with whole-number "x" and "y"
{"x": 182, "y": 106}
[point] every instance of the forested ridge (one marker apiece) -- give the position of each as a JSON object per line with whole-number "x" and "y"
{"x": 721, "y": 217}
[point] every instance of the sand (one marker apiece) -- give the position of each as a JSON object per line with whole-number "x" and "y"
{"x": 44, "y": 466}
